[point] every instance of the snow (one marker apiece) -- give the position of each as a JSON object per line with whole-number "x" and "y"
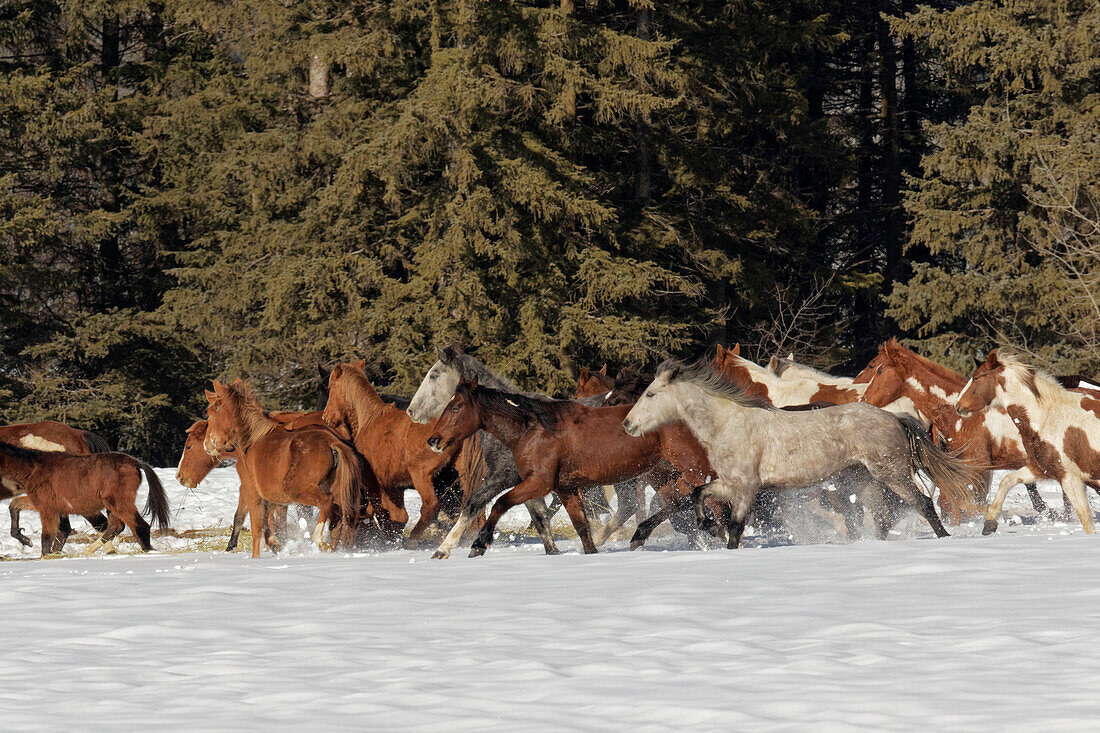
{"x": 965, "y": 633}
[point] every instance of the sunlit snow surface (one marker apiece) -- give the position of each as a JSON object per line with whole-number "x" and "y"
{"x": 967, "y": 633}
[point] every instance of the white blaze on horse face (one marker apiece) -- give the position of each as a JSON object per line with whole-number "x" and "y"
{"x": 35, "y": 442}
{"x": 435, "y": 391}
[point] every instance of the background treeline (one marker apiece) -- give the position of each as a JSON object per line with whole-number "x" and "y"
{"x": 191, "y": 189}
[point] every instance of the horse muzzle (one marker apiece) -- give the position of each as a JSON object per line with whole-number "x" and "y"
{"x": 436, "y": 444}
{"x": 962, "y": 411}
{"x": 630, "y": 429}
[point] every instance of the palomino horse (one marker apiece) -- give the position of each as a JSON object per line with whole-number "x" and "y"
{"x": 195, "y": 463}
{"x": 312, "y": 467}
{"x": 753, "y": 444}
{"x": 50, "y": 435}
{"x": 394, "y": 446}
{"x": 559, "y": 446}
{"x": 988, "y": 437}
{"x": 59, "y": 483}
{"x": 1060, "y": 429}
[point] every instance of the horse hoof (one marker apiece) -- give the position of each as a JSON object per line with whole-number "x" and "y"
{"x": 326, "y": 547}
{"x": 553, "y": 551}
{"x": 411, "y": 544}
{"x": 440, "y": 555}
{"x": 476, "y": 551}
{"x": 990, "y": 526}
{"x": 636, "y": 544}
{"x": 23, "y": 539}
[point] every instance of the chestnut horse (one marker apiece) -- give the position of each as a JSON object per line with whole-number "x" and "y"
{"x": 59, "y": 483}
{"x": 1060, "y": 429}
{"x": 394, "y": 446}
{"x": 306, "y": 466}
{"x": 195, "y": 463}
{"x": 50, "y": 435}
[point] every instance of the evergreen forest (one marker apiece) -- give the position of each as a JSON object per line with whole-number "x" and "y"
{"x": 221, "y": 188}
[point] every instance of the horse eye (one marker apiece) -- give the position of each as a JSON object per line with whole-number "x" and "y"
{"x": 431, "y": 377}
{"x": 648, "y": 394}
{"x": 454, "y": 409}
{"x": 878, "y": 371}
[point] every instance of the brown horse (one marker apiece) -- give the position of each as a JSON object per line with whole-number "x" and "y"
{"x": 559, "y": 446}
{"x": 394, "y": 446}
{"x": 590, "y": 384}
{"x": 59, "y": 483}
{"x": 195, "y": 463}
{"x": 50, "y": 435}
{"x": 306, "y": 466}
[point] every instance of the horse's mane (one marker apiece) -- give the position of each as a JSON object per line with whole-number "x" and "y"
{"x": 519, "y": 407}
{"x": 363, "y": 399}
{"x": 255, "y": 422}
{"x": 27, "y": 455}
{"x": 1045, "y": 388}
{"x": 892, "y": 346}
{"x": 468, "y": 367}
{"x": 702, "y": 376}
{"x": 631, "y": 381}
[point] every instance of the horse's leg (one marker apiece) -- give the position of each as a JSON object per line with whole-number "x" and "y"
{"x": 1037, "y": 502}
{"x": 628, "y": 498}
{"x": 277, "y": 516}
{"x": 18, "y": 504}
{"x": 702, "y": 517}
{"x": 1074, "y": 487}
{"x": 270, "y": 538}
{"x": 532, "y": 487}
{"x": 139, "y": 527}
{"x": 993, "y": 511}
{"x": 671, "y": 498}
{"x": 51, "y": 524}
{"x": 900, "y": 481}
{"x": 429, "y": 507}
{"x": 114, "y": 529}
{"x": 238, "y": 521}
{"x": 574, "y": 504}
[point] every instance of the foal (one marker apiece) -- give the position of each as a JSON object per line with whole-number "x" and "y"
{"x": 1060, "y": 429}
{"x": 59, "y": 483}
{"x": 752, "y": 444}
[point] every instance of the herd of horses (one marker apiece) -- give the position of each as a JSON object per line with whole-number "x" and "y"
{"x": 716, "y": 440}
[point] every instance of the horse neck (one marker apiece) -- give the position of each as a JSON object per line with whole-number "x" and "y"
{"x": 505, "y": 429}
{"x": 929, "y": 374}
{"x": 15, "y": 468}
{"x": 706, "y": 416}
{"x": 939, "y": 410}
{"x": 252, "y": 420}
{"x": 364, "y": 404}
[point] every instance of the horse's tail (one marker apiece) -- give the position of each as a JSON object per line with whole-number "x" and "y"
{"x": 158, "y": 500}
{"x": 959, "y": 479}
{"x": 347, "y": 485}
{"x": 470, "y": 465}
{"x": 95, "y": 443}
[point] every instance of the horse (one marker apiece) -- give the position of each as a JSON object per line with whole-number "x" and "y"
{"x": 1060, "y": 429}
{"x": 195, "y": 463}
{"x": 753, "y": 444}
{"x": 590, "y": 384}
{"x": 559, "y": 446}
{"x": 394, "y": 446}
{"x": 313, "y": 467}
{"x": 792, "y": 389}
{"x": 50, "y": 435}
{"x": 59, "y": 483}
{"x": 499, "y": 470}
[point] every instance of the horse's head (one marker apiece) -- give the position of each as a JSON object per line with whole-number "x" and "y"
{"x": 656, "y": 406}
{"x": 221, "y": 429}
{"x": 195, "y": 463}
{"x": 884, "y": 377}
{"x": 437, "y": 388}
{"x": 629, "y": 384}
{"x": 981, "y": 391}
{"x": 461, "y": 418}
{"x": 590, "y": 384}
{"x": 336, "y": 409}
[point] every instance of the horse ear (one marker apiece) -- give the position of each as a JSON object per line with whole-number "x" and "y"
{"x": 322, "y": 372}
{"x": 674, "y": 371}
{"x": 584, "y": 375}
{"x": 720, "y": 353}
{"x": 219, "y": 388}
{"x": 361, "y": 364}
{"x": 210, "y": 396}
{"x": 993, "y": 359}
{"x": 790, "y": 356}
{"x": 773, "y": 363}
{"x": 473, "y": 383}
{"x": 440, "y": 354}
{"x": 736, "y": 350}
{"x": 603, "y": 369}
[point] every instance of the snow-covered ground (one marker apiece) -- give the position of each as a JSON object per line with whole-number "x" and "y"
{"x": 965, "y": 633}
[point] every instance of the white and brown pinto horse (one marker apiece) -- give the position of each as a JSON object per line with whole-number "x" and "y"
{"x": 1060, "y": 429}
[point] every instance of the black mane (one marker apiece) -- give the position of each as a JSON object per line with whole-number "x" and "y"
{"x": 27, "y": 455}
{"x": 518, "y": 407}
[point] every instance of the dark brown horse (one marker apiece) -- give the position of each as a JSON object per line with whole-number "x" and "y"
{"x": 559, "y": 446}
{"x": 394, "y": 446}
{"x": 310, "y": 465}
{"x": 59, "y": 483}
{"x": 50, "y": 435}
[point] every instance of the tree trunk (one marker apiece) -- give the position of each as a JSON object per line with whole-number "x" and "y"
{"x": 891, "y": 165}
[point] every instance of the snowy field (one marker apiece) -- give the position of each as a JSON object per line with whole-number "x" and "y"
{"x": 967, "y": 633}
